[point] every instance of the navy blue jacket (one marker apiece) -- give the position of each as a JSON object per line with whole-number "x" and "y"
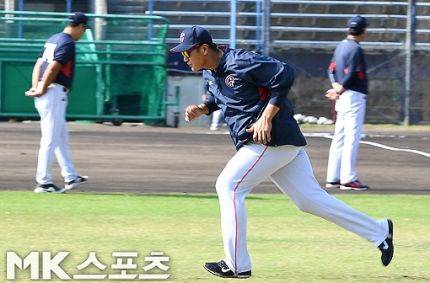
{"x": 242, "y": 85}
{"x": 348, "y": 66}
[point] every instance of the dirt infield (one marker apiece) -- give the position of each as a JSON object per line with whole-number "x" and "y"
{"x": 156, "y": 160}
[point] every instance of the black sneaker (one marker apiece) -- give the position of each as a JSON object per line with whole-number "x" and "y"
{"x": 221, "y": 269}
{"x": 48, "y": 188}
{"x": 387, "y": 247}
{"x": 332, "y": 185}
{"x": 76, "y": 182}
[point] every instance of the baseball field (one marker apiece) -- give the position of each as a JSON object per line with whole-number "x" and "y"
{"x": 286, "y": 245}
{"x": 152, "y": 189}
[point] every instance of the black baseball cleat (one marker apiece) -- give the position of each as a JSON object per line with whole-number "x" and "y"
{"x": 221, "y": 269}
{"x": 387, "y": 247}
{"x": 76, "y": 182}
{"x": 48, "y": 188}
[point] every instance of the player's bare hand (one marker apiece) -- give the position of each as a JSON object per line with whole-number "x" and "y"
{"x": 332, "y": 94}
{"x": 193, "y": 112}
{"x": 35, "y": 92}
{"x": 261, "y": 131}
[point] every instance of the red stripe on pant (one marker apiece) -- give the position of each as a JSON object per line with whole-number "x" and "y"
{"x": 235, "y": 211}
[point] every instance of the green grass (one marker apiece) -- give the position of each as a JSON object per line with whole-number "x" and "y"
{"x": 286, "y": 245}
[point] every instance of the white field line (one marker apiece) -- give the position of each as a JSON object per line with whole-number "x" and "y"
{"x": 330, "y": 136}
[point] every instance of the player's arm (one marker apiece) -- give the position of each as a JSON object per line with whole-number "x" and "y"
{"x": 265, "y": 72}
{"x": 332, "y": 75}
{"x": 36, "y": 74}
{"x": 351, "y": 71}
{"x": 262, "y": 128}
{"x": 50, "y": 74}
{"x": 270, "y": 74}
{"x": 337, "y": 89}
{"x": 48, "y": 77}
{"x": 208, "y": 105}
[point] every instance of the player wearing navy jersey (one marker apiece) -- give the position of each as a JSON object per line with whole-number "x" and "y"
{"x": 51, "y": 83}
{"x": 347, "y": 73}
{"x": 251, "y": 91}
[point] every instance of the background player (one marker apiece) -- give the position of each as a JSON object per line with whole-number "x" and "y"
{"x": 347, "y": 73}
{"x": 51, "y": 83}
{"x": 251, "y": 91}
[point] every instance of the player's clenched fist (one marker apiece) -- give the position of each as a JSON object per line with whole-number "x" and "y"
{"x": 194, "y": 111}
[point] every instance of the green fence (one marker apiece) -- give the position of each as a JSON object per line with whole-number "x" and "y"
{"x": 120, "y": 68}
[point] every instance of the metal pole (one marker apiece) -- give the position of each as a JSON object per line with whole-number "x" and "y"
{"x": 151, "y": 12}
{"x": 1, "y": 86}
{"x": 100, "y": 7}
{"x": 20, "y": 27}
{"x": 69, "y": 6}
{"x": 266, "y": 27}
{"x": 9, "y": 5}
{"x": 409, "y": 49}
{"x": 233, "y": 14}
{"x": 258, "y": 25}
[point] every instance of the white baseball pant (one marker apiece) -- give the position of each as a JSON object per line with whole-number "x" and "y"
{"x": 216, "y": 119}
{"x": 290, "y": 170}
{"x": 55, "y": 137}
{"x": 351, "y": 109}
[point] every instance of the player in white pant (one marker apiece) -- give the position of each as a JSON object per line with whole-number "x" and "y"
{"x": 288, "y": 167}
{"x": 216, "y": 120}
{"x": 351, "y": 109}
{"x": 51, "y": 81}
{"x": 251, "y": 89}
{"x": 347, "y": 73}
{"x": 55, "y": 137}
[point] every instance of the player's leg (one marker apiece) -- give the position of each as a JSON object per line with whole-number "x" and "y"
{"x": 297, "y": 181}
{"x": 216, "y": 120}
{"x": 251, "y": 165}
{"x": 354, "y": 119}
{"x": 62, "y": 152}
{"x": 46, "y": 105}
{"x": 336, "y": 149}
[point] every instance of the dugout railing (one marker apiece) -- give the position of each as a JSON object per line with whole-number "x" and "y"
{"x": 119, "y": 75}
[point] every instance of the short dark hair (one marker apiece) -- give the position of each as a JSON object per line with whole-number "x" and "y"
{"x": 356, "y": 32}
{"x": 212, "y": 46}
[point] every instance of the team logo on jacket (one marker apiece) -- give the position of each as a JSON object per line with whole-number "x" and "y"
{"x": 181, "y": 37}
{"x": 229, "y": 80}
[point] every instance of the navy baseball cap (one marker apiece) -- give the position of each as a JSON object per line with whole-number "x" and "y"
{"x": 191, "y": 37}
{"x": 78, "y": 18}
{"x": 357, "y": 23}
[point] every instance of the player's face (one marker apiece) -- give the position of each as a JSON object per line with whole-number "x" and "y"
{"x": 194, "y": 58}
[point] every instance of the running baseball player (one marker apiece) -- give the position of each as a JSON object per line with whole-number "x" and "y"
{"x": 251, "y": 91}
{"x": 51, "y": 82}
{"x": 347, "y": 73}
